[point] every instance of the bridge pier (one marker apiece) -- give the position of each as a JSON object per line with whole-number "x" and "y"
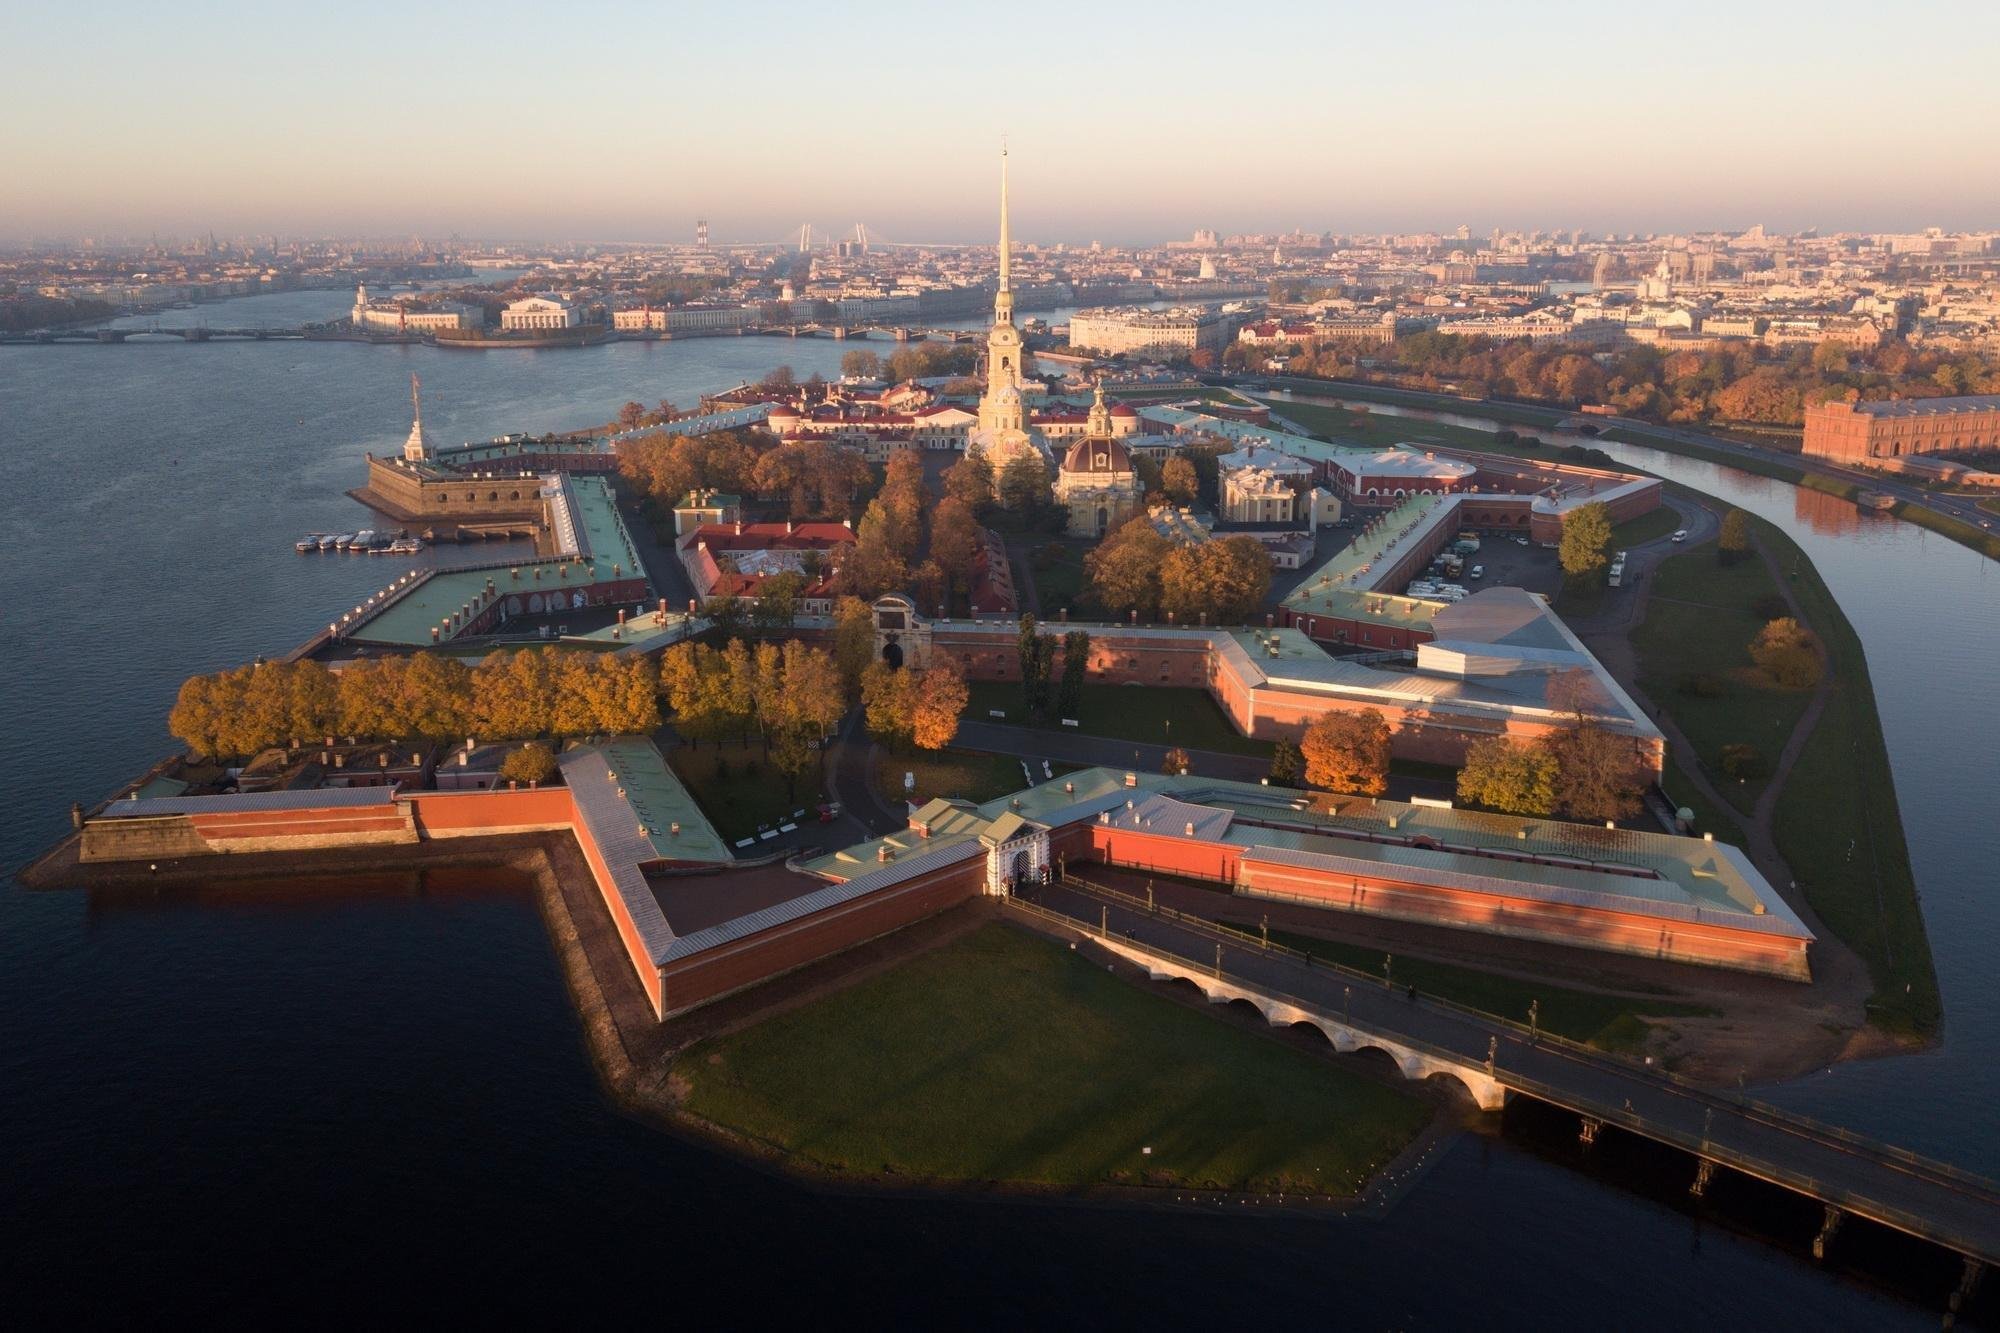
{"x": 1587, "y": 1132}
{"x": 1704, "y": 1172}
{"x": 1828, "y": 1229}
{"x": 1968, "y": 1283}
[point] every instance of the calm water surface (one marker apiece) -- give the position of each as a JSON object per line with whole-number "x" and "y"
{"x": 367, "y": 1096}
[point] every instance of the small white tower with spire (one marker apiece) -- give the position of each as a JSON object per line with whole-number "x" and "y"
{"x": 418, "y": 447}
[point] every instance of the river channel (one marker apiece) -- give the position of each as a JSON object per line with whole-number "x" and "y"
{"x": 359, "y": 1095}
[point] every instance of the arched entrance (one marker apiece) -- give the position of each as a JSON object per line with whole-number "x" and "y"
{"x": 892, "y": 653}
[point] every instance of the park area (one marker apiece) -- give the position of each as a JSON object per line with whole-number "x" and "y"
{"x": 964, "y": 775}
{"x": 1005, "y": 1058}
{"x": 739, "y": 788}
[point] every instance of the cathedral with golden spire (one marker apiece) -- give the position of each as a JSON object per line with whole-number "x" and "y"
{"x": 1002, "y": 432}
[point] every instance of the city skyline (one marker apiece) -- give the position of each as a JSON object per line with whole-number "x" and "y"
{"x": 478, "y": 123}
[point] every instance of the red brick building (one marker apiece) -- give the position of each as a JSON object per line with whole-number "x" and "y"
{"x": 1897, "y": 428}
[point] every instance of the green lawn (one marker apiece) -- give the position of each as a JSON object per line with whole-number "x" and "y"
{"x": 1128, "y": 713}
{"x": 1005, "y": 1057}
{"x": 1648, "y": 527}
{"x": 739, "y": 789}
{"x": 964, "y": 774}
{"x": 1700, "y": 622}
{"x": 1610, "y": 1022}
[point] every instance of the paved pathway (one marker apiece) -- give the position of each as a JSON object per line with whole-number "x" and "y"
{"x": 1869, "y": 1179}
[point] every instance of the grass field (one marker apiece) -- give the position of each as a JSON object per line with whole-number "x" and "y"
{"x": 1609, "y": 1022}
{"x": 963, "y": 774}
{"x": 1005, "y": 1057}
{"x": 738, "y": 788}
{"x": 1128, "y": 713}
{"x": 1699, "y": 622}
{"x": 1648, "y": 527}
{"x": 1060, "y": 582}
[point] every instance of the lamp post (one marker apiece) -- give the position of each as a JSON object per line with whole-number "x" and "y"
{"x": 1388, "y": 961}
{"x": 1534, "y": 1019}
{"x": 1346, "y": 1003}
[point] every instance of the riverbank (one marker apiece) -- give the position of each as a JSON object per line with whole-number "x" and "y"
{"x": 1860, "y": 888}
{"x": 1742, "y": 455}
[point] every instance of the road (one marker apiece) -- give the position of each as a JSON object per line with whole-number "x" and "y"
{"x": 1868, "y": 1179}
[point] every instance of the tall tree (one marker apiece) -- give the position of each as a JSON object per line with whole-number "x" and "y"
{"x": 939, "y": 700}
{"x": 1733, "y": 542}
{"x": 1124, "y": 570}
{"x": 1179, "y": 480}
{"x": 1024, "y": 485}
{"x": 970, "y": 481}
{"x": 1511, "y": 776}
{"x": 888, "y": 697}
{"x": 954, "y": 540}
{"x": 1586, "y": 540}
{"x": 1076, "y": 664}
{"x": 1348, "y": 751}
{"x": 853, "y": 639}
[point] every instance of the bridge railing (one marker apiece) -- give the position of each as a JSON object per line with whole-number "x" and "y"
{"x": 1699, "y": 1144}
{"x": 1764, "y": 1112}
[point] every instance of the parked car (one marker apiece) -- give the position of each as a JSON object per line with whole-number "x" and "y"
{"x": 1476, "y": 572}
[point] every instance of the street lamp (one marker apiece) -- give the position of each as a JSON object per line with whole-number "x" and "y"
{"x": 1534, "y": 1018}
{"x": 1387, "y": 962}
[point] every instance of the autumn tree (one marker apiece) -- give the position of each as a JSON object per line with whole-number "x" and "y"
{"x": 1788, "y": 653}
{"x": 860, "y": 364}
{"x": 970, "y": 481}
{"x": 1224, "y": 581}
{"x": 1176, "y": 763}
{"x": 1348, "y": 751}
{"x": 533, "y": 764}
{"x": 938, "y": 701}
{"x": 853, "y": 640}
{"x": 1509, "y": 776}
{"x": 198, "y": 716}
{"x": 1733, "y": 542}
{"x": 1024, "y": 486}
{"x": 1124, "y": 569}
{"x": 1179, "y": 481}
{"x": 1586, "y": 540}
{"x": 1598, "y": 775}
{"x": 777, "y": 604}
{"x": 888, "y": 698}
{"x": 954, "y": 541}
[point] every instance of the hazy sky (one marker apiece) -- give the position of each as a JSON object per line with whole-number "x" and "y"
{"x": 1131, "y": 121}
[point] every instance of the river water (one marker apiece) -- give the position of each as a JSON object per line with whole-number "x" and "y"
{"x": 372, "y": 1096}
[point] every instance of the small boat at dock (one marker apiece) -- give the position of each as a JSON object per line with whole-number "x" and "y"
{"x": 309, "y": 542}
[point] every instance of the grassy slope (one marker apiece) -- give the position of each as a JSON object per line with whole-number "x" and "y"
{"x": 1700, "y": 622}
{"x": 1842, "y": 791}
{"x": 1006, "y": 1057}
{"x": 1129, "y": 713}
{"x": 1610, "y": 1022}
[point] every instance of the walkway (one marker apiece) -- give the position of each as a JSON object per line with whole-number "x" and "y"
{"x": 1842, "y": 1170}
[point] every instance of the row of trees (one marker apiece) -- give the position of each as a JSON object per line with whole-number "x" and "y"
{"x": 815, "y": 478}
{"x": 508, "y": 696}
{"x": 1583, "y": 770}
{"x": 1746, "y": 382}
{"x": 791, "y": 698}
{"x": 1137, "y": 569}
{"x": 1043, "y": 693}
{"x": 905, "y": 541}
